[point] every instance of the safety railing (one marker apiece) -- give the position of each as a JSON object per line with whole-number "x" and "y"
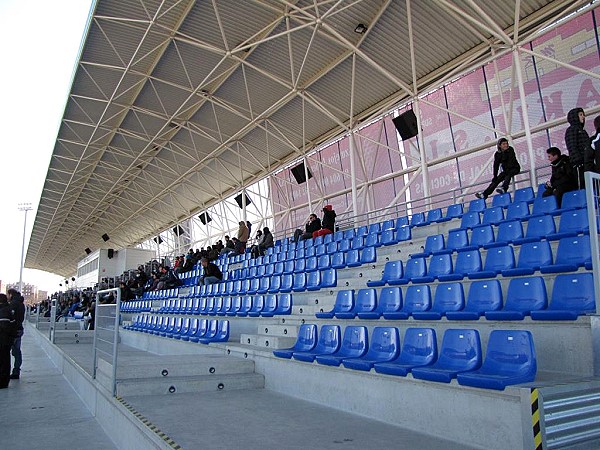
{"x": 106, "y": 332}
{"x": 592, "y": 192}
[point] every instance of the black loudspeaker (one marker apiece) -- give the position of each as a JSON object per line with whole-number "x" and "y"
{"x": 406, "y": 124}
{"x": 238, "y": 200}
{"x": 105, "y": 237}
{"x": 111, "y": 253}
{"x": 178, "y": 231}
{"x": 88, "y": 251}
{"x": 299, "y": 174}
{"x": 205, "y": 218}
{"x": 158, "y": 240}
{"x": 72, "y": 278}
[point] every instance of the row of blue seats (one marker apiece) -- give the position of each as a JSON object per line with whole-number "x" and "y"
{"x": 186, "y": 329}
{"x": 265, "y": 306}
{"x": 572, "y": 296}
{"x": 136, "y": 306}
{"x": 510, "y": 357}
{"x": 571, "y": 254}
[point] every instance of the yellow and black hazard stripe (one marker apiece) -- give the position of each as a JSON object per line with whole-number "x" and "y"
{"x": 535, "y": 420}
{"x": 150, "y": 425}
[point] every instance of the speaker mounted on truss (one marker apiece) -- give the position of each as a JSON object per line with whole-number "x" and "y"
{"x": 88, "y": 251}
{"x": 406, "y": 124}
{"x": 158, "y": 240}
{"x": 300, "y": 174}
{"x": 205, "y": 218}
{"x": 238, "y": 200}
{"x": 178, "y": 231}
{"x": 111, "y": 253}
{"x": 105, "y": 237}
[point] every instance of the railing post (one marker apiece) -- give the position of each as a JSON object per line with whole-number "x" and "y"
{"x": 104, "y": 312}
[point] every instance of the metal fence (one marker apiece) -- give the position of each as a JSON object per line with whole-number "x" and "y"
{"x": 106, "y": 332}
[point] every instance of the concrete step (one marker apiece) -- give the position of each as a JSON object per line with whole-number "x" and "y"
{"x": 247, "y": 351}
{"x": 60, "y": 326}
{"x": 73, "y": 337}
{"x": 307, "y": 310}
{"x": 179, "y": 385}
{"x": 138, "y": 367}
{"x": 271, "y": 342}
{"x": 288, "y": 330}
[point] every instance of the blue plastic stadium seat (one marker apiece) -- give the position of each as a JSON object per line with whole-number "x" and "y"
{"x": 417, "y": 219}
{"x": 510, "y": 359}
{"x": 245, "y": 307}
{"x": 544, "y": 205}
{"x": 477, "y": 204}
{"x": 439, "y": 265}
{"x": 435, "y": 216}
{"x": 299, "y": 284}
{"x": 258, "y": 303}
{"x": 338, "y": 260}
{"x": 467, "y": 261}
{"x": 388, "y": 224}
{"x": 572, "y": 223}
{"x": 524, "y": 295}
{"x": 344, "y": 303}
{"x": 508, "y": 232}
{"x": 417, "y": 298}
{"x": 372, "y": 240}
{"x": 385, "y": 346}
{"x": 524, "y": 195}
{"x": 454, "y": 211}
{"x": 366, "y": 302}
{"x": 457, "y": 240}
{"x": 390, "y": 301}
{"x": 493, "y": 215}
{"x": 200, "y": 331}
{"x": 323, "y": 262}
{"x": 572, "y": 296}
{"x": 414, "y": 267}
{"x": 517, "y": 211}
{"x": 357, "y": 243}
{"x": 532, "y": 256}
{"x": 287, "y": 282}
{"x": 460, "y": 352}
{"x": 448, "y": 297}
{"x": 225, "y": 306}
{"x": 305, "y": 342}
{"x": 338, "y": 235}
{"x": 433, "y": 243}
{"x": 368, "y": 255}
{"x": 374, "y": 228}
{"x": 327, "y": 344}
{"x": 418, "y": 349}
{"x": 344, "y": 245}
{"x": 352, "y": 259}
{"x": 502, "y": 200}
{"x": 403, "y": 234}
{"x": 221, "y": 334}
{"x": 388, "y": 237}
{"x": 496, "y": 260}
{"x": 481, "y": 236}
{"x": 572, "y": 253}
{"x": 484, "y": 295}
{"x": 470, "y": 220}
{"x": 354, "y": 344}
{"x": 263, "y": 285}
{"x": 349, "y": 234}
{"x": 328, "y": 238}
{"x": 313, "y": 281}
{"x": 573, "y": 200}
{"x": 254, "y": 285}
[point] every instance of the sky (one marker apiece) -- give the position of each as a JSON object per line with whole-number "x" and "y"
{"x": 39, "y": 44}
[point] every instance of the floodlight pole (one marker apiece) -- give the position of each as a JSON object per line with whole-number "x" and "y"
{"x": 23, "y": 207}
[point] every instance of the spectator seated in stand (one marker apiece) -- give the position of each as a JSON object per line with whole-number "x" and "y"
{"x": 312, "y": 225}
{"x": 562, "y": 179}
{"x": 168, "y": 279}
{"x": 211, "y": 275}
{"x": 328, "y": 222}
{"x": 229, "y": 246}
{"x": 266, "y": 241}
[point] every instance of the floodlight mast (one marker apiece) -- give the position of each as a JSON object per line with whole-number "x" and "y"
{"x": 23, "y": 207}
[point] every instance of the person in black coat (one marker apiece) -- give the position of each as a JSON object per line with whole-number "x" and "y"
{"x": 562, "y": 179}
{"x": 17, "y": 303}
{"x": 505, "y": 158}
{"x": 8, "y": 331}
{"x": 577, "y": 141}
{"x": 313, "y": 224}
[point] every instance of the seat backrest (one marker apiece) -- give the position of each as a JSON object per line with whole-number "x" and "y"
{"x": 574, "y": 251}
{"x": 510, "y": 352}
{"x": 460, "y": 350}
{"x": 328, "y": 277}
{"x": 385, "y": 343}
{"x": 502, "y": 200}
{"x": 352, "y": 257}
{"x": 482, "y": 235}
{"x": 401, "y": 221}
{"x": 493, "y": 215}
{"x": 338, "y": 235}
{"x": 366, "y": 300}
{"x": 299, "y": 281}
{"x": 307, "y": 338}
{"x": 324, "y": 261}
{"x": 258, "y": 303}
{"x": 371, "y": 240}
{"x": 468, "y": 261}
{"x": 440, "y": 265}
{"x": 392, "y": 270}
{"x": 499, "y": 258}
{"x": 349, "y": 234}
{"x": 388, "y": 225}
{"x": 284, "y": 303}
{"x": 338, "y": 259}
{"x": 363, "y": 230}
{"x": 417, "y": 219}
{"x": 328, "y": 238}
{"x": 574, "y": 199}
{"x": 329, "y": 338}
{"x": 357, "y": 242}
{"x": 457, "y": 239}
{"x": 434, "y": 243}
{"x": 544, "y": 205}
{"x": 332, "y": 247}
{"x": 524, "y": 195}
{"x": 287, "y": 281}
{"x": 375, "y": 228}
{"x": 299, "y": 265}
{"x": 344, "y": 245}
{"x": 403, "y": 234}
{"x": 417, "y": 298}
{"x": 448, "y": 297}
{"x": 419, "y": 347}
{"x": 368, "y": 255}
{"x": 541, "y": 226}
{"x": 390, "y": 299}
{"x": 415, "y": 267}
{"x": 517, "y": 210}
{"x": 454, "y": 211}
{"x": 575, "y": 221}
{"x": 509, "y": 230}
{"x": 526, "y": 294}
{"x": 533, "y": 255}
{"x": 310, "y": 264}
{"x": 344, "y": 302}
{"x": 470, "y": 219}
{"x": 477, "y": 204}
{"x": 434, "y": 215}
{"x": 574, "y": 292}
{"x": 288, "y": 266}
{"x": 321, "y": 249}
{"x": 484, "y": 295}
{"x": 355, "y": 341}
{"x": 246, "y": 303}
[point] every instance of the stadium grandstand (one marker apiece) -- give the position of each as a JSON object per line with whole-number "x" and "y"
{"x": 425, "y": 318}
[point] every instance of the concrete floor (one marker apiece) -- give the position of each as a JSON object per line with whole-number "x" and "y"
{"x": 41, "y": 410}
{"x": 47, "y": 414}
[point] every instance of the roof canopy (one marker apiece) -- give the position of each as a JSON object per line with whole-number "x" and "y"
{"x": 177, "y": 104}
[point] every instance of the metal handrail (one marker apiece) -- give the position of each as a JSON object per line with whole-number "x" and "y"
{"x": 98, "y": 309}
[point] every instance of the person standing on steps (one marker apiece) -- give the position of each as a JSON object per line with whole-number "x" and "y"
{"x": 17, "y": 301}
{"x": 505, "y": 158}
{"x": 7, "y": 336}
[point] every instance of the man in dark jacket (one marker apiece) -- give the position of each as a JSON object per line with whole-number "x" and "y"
{"x": 562, "y": 179}
{"x": 506, "y": 159}
{"x": 577, "y": 141}
{"x": 211, "y": 275}
{"x": 7, "y": 336}
{"x": 312, "y": 224}
{"x": 16, "y": 301}
{"x": 328, "y": 222}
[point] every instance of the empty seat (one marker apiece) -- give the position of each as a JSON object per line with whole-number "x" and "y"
{"x": 460, "y": 352}
{"x": 401, "y": 222}
{"x": 287, "y": 281}
{"x": 538, "y": 228}
{"x": 573, "y": 200}
{"x": 388, "y": 224}
{"x": 352, "y": 258}
{"x": 328, "y": 278}
{"x": 366, "y": 301}
{"x": 264, "y": 285}
{"x": 457, "y": 240}
{"x": 299, "y": 284}
{"x": 344, "y": 245}
{"x": 357, "y": 243}
{"x": 245, "y": 307}
{"x": 532, "y": 256}
{"x": 439, "y": 265}
{"x": 305, "y": 342}
{"x": 384, "y": 346}
{"x": 454, "y": 211}
{"x": 524, "y": 195}
{"x": 372, "y": 240}
{"x": 403, "y": 234}
{"x": 390, "y": 300}
{"x": 200, "y": 331}
{"x": 344, "y": 302}
{"x": 480, "y": 236}
{"x": 517, "y": 211}
{"x": 393, "y": 270}
{"x": 236, "y": 303}
{"x": 327, "y": 344}
{"x": 283, "y": 305}
{"x": 477, "y": 204}
{"x": 496, "y": 260}
{"x": 572, "y": 253}
{"x": 572, "y": 296}
{"x": 368, "y": 255}
{"x": 470, "y": 220}
{"x": 388, "y": 237}
{"x": 508, "y": 232}
{"x": 414, "y": 267}
{"x": 354, "y": 344}
{"x": 338, "y": 260}
{"x": 323, "y": 262}
{"x": 510, "y": 359}
{"x": 313, "y": 281}
{"x": 448, "y": 297}
{"x": 417, "y": 219}
{"x": 433, "y": 243}
{"x": 493, "y": 215}
{"x": 417, "y": 298}
{"x": 544, "y": 205}
{"x": 502, "y": 200}
{"x": 435, "y": 216}
{"x": 258, "y": 303}
{"x": 524, "y": 295}
{"x": 418, "y": 349}
{"x": 467, "y": 261}
{"x": 572, "y": 223}
{"x": 375, "y": 228}
{"x": 484, "y": 295}
{"x": 221, "y": 334}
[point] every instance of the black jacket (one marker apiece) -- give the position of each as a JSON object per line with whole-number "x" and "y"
{"x": 313, "y": 226}
{"x": 562, "y": 174}
{"x": 328, "y": 220}
{"x": 507, "y": 159}
{"x": 8, "y": 325}
{"x": 577, "y": 141}
{"x": 18, "y": 306}
{"x": 212, "y": 270}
